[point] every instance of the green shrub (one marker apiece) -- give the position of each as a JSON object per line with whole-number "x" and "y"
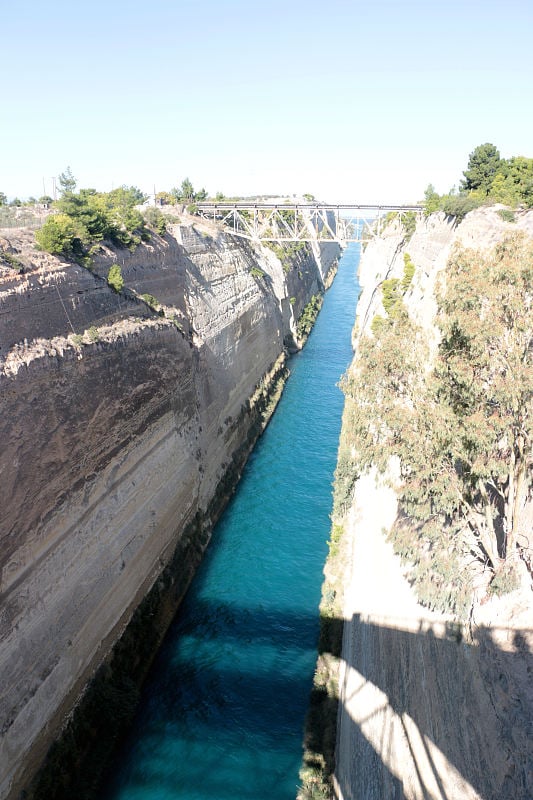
{"x": 114, "y": 278}
{"x": 505, "y": 581}
{"x": 459, "y": 205}
{"x": 408, "y": 272}
{"x": 286, "y": 252}
{"x": 155, "y": 220}
{"x": 337, "y": 532}
{"x": 409, "y": 223}
{"x": 62, "y": 235}
{"x": 377, "y": 323}
{"x": 12, "y": 262}
{"x": 391, "y": 295}
{"x": 152, "y": 301}
{"x": 93, "y": 334}
{"x": 431, "y": 200}
{"x": 89, "y": 217}
{"x": 308, "y": 316}
{"x": 506, "y": 214}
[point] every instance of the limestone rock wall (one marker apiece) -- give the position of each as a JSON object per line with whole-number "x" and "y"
{"x": 429, "y": 249}
{"x": 118, "y": 425}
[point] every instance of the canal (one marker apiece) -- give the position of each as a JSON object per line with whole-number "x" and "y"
{"x": 223, "y": 711}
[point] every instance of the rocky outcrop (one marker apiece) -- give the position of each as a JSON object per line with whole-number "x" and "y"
{"x": 429, "y": 248}
{"x": 125, "y": 424}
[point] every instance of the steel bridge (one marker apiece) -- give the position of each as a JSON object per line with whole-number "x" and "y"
{"x": 304, "y": 222}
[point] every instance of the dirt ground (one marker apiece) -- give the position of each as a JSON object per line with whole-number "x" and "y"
{"x": 428, "y": 710}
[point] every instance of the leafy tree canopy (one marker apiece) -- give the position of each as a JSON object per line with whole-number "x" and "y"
{"x": 114, "y": 278}
{"x": 483, "y": 164}
{"x": 67, "y": 181}
{"x": 63, "y": 235}
{"x": 487, "y": 179}
{"x": 462, "y": 430}
{"x": 93, "y": 216}
{"x": 187, "y": 194}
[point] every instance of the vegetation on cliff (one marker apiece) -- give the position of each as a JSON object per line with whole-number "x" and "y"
{"x": 488, "y": 178}
{"x": 87, "y": 217}
{"x": 461, "y": 429}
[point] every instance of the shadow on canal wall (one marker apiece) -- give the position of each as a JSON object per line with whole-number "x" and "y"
{"x": 426, "y": 713}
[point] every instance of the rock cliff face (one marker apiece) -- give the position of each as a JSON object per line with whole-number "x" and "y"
{"x": 427, "y": 709}
{"x": 429, "y": 248}
{"x": 123, "y": 432}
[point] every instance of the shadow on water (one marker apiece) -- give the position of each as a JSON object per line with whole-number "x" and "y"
{"x": 418, "y": 700}
{"x": 227, "y": 695}
{"x": 459, "y": 708}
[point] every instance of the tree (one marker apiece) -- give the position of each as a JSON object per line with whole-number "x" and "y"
{"x": 463, "y": 429}
{"x": 485, "y": 377}
{"x": 186, "y": 190}
{"x": 106, "y": 215}
{"x": 3, "y": 199}
{"x": 528, "y": 193}
{"x": 136, "y": 194}
{"x": 510, "y": 185}
{"x": 483, "y": 164}
{"x": 165, "y": 198}
{"x": 62, "y": 235}
{"x": 88, "y": 209}
{"x": 431, "y": 200}
{"x": 155, "y": 219}
{"x": 67, "y": 181}
{"x": 128, "y": 222}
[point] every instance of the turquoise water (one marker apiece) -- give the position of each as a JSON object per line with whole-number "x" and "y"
{"x": 223, "y": 712}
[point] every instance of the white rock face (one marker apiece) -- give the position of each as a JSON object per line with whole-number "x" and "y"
{"x": 424, "y": 712}
{"x": 429, "y": 249}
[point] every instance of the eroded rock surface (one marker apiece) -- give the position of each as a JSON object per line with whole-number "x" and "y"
{"x": 122, "y": 418}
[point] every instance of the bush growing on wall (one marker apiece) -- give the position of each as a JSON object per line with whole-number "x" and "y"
{"x": 62, "y": 235}
{"x": 114, "y": 278}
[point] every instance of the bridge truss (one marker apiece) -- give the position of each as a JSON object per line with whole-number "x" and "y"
{"x": 304, "y": 222}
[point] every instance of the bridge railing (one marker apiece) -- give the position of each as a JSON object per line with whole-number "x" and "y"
{"x": 303, "y": 222}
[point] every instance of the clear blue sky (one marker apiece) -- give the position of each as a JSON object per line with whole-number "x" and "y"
{"x": 353, "y": 101}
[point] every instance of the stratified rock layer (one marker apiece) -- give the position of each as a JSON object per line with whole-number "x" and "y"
{"x": 121, "y": 429}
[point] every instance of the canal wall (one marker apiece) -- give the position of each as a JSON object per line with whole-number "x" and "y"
{"x": 126, "y": 419}
{"x": 407, "y": 701}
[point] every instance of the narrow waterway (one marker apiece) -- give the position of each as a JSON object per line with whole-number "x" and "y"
{"x": 223, "y": 712}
